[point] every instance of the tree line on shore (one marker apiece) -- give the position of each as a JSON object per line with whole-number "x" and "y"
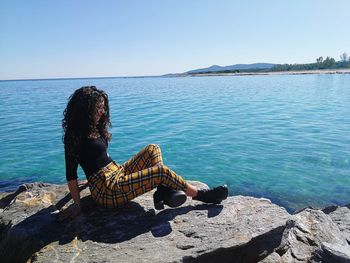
{"x": 321, "y": 63}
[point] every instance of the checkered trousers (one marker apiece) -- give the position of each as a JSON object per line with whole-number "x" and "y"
{"x": 114, "y": 185}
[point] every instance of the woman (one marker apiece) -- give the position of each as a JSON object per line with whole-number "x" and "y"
{"x": 86, "y": 137}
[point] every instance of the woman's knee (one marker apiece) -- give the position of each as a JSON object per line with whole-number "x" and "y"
{"x": 152, "y": 147}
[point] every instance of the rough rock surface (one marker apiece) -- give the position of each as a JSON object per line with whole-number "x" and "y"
{"x": 340, "y": 216}
{"x": 307, "y": 233}
{"x": 241, "y": 229}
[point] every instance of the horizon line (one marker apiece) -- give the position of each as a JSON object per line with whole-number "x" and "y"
{"x": 70, "y": 78}
{"x": 111, "y": 77}
{"x": 145, "y": 76}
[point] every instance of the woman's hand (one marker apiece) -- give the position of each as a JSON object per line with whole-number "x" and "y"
{"x": 73, "y": 210}
{"x": 70, "y": 212}
{"x": 82, "y": 182}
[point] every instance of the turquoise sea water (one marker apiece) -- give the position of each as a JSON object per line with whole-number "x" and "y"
{"x": 285, "y": 137}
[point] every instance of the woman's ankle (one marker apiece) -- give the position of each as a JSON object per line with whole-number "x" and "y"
{"x": 191, "y": 190}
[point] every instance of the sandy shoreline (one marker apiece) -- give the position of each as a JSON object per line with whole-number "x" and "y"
{"x": 299, "y": 72}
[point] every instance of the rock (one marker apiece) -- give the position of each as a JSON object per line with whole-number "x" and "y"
{"x": 335, "y": 253}
{"x": 341, "y": 217}
{"x": 272, "y": 258}
{"x": 305, "y": 235}
{"x": 241, "y": 229}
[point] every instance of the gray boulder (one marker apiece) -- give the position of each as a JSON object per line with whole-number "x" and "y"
{"x": 241, "y": 229}
{"x": 334, "y": 253}
{"x": 341, "y": 217}
{"x": 306, "y": 237}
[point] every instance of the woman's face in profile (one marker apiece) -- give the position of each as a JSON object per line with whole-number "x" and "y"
{"x": 100, "y": 110}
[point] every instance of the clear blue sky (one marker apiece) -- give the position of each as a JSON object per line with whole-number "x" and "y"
{"x": 48, "y": 39}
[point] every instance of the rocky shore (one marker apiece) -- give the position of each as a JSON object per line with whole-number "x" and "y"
{"x": 241, "y": 229}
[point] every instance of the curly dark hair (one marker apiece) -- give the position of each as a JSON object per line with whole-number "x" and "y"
{"x": 79, "y": 118}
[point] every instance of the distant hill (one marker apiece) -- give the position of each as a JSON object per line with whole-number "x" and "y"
{"x": 233, "y": 67}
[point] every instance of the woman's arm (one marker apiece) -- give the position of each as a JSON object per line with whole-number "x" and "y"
{"x": 72, "y": 181}
{"x": 73, "y": 210}
{"x": 74, "y": 191}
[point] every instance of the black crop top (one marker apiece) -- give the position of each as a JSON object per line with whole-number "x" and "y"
{"x": 92, "y": 157}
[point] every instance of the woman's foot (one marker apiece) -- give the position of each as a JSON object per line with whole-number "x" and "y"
{"x": 170, "y": 197}
{"x": 212, "y": 196}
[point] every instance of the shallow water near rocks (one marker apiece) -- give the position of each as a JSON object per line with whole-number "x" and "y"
{"x": 281, "y": 137}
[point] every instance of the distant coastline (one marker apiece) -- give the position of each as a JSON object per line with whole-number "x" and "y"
{"x": 294, "y": 72}
{"x": 322, "y": 66}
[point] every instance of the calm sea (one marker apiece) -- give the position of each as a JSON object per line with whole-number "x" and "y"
{"x": 286, "y": 138}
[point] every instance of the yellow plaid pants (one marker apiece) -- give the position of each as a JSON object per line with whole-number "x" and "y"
{"x": 114, "y": 185}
